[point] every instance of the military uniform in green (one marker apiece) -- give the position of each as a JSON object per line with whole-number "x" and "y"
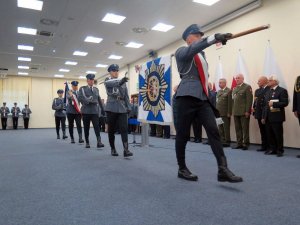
{"x": 242, "y": 101}
{"x": 224, "y": 105}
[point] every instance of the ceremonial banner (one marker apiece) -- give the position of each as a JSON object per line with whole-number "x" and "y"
{"x": 155, "y": 92}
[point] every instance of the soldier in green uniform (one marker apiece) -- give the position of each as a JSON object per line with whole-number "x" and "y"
{"x": 242, "y": 101}
{"x": 224, "y": 105}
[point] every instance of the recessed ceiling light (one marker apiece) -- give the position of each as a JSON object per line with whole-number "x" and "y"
{"x": 30, "y": 4}
{"x": 101, "y": 65}
{"x": 90, "y": 71}
{"x": 93, "y": 39}
{"x": 22, "y": 73}
{"x": 133, "y": 45}
{"x": 71, "y": 63}
{"x": 115, "y": 57}
{"x": 23, "y": 67}
{"x": 24, "y": 59}
{"x": 59, "y": 75}
{"x": 25, "y": 47}
{"x": 113, "y": 18}
{"x": 162, "y": 27}
{"x": 82, "y": 77}
{"x": 64, "y": 70}
{"x": 79, "y": 53}
{"x": 206, "y": 2}
{"x": 25, "y": 30}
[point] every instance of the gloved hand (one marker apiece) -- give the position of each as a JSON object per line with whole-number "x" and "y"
{"x": 123, "y": 80}
{"x": 223, "y": 38}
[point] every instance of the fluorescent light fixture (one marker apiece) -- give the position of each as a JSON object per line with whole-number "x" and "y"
{"x": 101, "y": 65}
{"x": 79, "y": 53}
{"x": 23, "y": 67}
{"x": 113, "y": 18}
{"x": 30, "y": 4}
{"x": 115, "y": 57}
{"x": 22, "y": 73}
{"x": 133, "y": 45}
{"x": 64, "y": 70}
{"x": 162, "y": 27}
{"x": 90, "y": 71}
{"x": 82, "y": 77}
{"x": 25, "y": 47}
{"x": 93, "y": 39}
{"x": 71, "y": 63}
{"x": 25, "y": 30}
{"x": 206, "y": 2}
{"x": 59, "y": 75}
{"x": 24, "y": 59}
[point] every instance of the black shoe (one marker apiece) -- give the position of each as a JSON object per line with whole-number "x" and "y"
{"x": 206, "y": 143}
{"x": 298, "y": 156}
{"x": 270, "y": 152}
{"x": 261, "y": 150}
{"x": 114, "y": 152}
{"x": 279, "y": 154}
{"x": 225, "y": 175}
{"x": 65, "y": 136}
{"x": 80, "y": 140}
{"x": 197, "y": 140}
{"x": 225, "y": 145}
{"x": 237, "y": 147}
{"x": 127, "y": 153}
{"x": 187, "y": 175}
{"x": 87, "y": 145}
{"x": 99, "y": 143}
{"x": 58, "y": 137}
{"x": 245, "y": 148}
{"x": 72, "y": 141}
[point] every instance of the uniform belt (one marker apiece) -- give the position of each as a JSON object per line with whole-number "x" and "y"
{"x": 190, "y": 77}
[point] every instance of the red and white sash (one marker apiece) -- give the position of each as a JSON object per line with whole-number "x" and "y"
{"x": 203, "y": 71}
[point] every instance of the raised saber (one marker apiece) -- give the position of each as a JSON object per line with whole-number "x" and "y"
{"x": 250, "y": 31}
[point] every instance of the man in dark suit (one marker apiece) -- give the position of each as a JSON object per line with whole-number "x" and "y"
{"x": 296, "y": 101}
{"x": 258, "y": 106}
{"x": 274, "y": 115}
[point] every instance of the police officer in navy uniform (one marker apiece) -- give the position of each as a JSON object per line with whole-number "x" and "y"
{"x": 117, "y": 108}
{"x": 90, "y": 99}
{"x": 15, "y": 111}
{"x": 60, "y": 113}
{"x": 4, "y": 110}
{"x": 73, "y": 114}
{"x": 192, "y": 101}
{"x": 26, "y": 116}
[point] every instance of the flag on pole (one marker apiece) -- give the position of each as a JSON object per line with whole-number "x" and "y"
{"x": 75, "y": 101}
{"x": 271, "y": 66}
{"x": 218, "y": 76}
{"x": 241, "y": 68}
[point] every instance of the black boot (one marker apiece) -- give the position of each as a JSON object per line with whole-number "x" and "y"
{"x": 126, "y": 152}
{"x": 99, "y": 143}
{"x": 64, "y": 135}
{"x": 224, "y": 174}
{"x": 80, "y": 138}
{"x": 186, "y": 174}
{"x": 72, "y": 140}
{"x": 58, "y": 136}
{"x": 87, "y": 144}
{"x": 114, "y": 152}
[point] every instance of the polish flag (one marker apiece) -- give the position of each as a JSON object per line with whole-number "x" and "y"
{"x": 219, "y": 74}
{"x": 241, "y": 68}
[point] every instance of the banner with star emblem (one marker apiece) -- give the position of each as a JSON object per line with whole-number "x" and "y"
{"x": 155, "y": 92}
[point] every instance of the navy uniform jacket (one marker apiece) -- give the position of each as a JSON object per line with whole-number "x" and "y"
{"x": 90, "y": 99}
{"x": 190, "y": 84}
{"x": 4, "y": 112}
{"x": 59, "y": 106}
{"x": 26, "y": 113}
{"x": 277, "y": 114}
{"x": 117, "y": 96}
{"x": 259, "y": 102}
{"x": 15, "y": 111}
{"x": 70, "y": 107}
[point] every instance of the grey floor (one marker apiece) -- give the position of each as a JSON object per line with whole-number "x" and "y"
{"x": 44, "y": 181}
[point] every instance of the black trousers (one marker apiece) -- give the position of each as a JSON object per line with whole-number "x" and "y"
{"x": 26, "y": 122}
{"x": 102, "y": 123}
{"x": 263, "y": 135}
{"x": 15, "y": 122}
{"x": 275, "y": 136}
{"x": 71, "y": 118}
{"x": 58, "y": 121}
{"x": 4, "y": 123}
{"x": 114, "y": 119}
{"x": 190, "y": 108}
{"x": 197, "y": 128}
{"x": 152, "y": 130}
{"x": 87, "y": 118}
{"x": 166, "y": 131}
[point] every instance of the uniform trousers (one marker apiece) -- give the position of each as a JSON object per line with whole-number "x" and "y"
{"x": 189, "y": 108}
{"x": 15, "y": 122}
{"x": 263, "y": 134}
{"x": 58, "y": 121}
{"x": 197, "y": 128}
{"x": 275, "y": 136}
{"x": 87, "y": 118}
{"x": 71, "y": 117}
{"x": 120, "y": 120}
{"x": 26, "y": 122}
{"x": 241, "y": 124}
{"x": 224, "y": 130}
{"x": 4, "y": 123}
